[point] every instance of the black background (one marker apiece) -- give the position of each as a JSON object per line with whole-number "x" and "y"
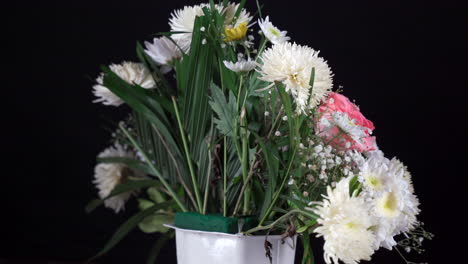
{"x": 402, "y": 61}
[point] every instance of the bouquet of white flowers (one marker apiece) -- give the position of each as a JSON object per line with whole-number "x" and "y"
{"x": 225, "y": 120}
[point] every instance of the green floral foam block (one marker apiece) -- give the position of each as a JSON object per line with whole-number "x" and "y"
{"x": 212, "y": 222}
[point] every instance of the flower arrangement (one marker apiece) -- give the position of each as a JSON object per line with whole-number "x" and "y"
{"x": 227, "y": 121}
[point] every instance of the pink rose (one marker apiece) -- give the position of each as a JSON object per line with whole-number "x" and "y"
{"x": 342, "y": 124}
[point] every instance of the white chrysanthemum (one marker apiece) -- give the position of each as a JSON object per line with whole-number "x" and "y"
{"x": 132, "y": 73}
{"x": 241, "y": 65}
{"x": 292, "y": 65}
{"x": 109, "y": 175}
{"x": 272, "y": 33}
{"x": 373, "y": 174}
{"x": 163, "y": 51}
{"x": 229, "y": 13}
{"x": 345, "y": 224}
{"x": 183, "y": 20}
{"x": 387, "y": 188}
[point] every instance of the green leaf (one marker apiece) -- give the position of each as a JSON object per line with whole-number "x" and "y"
{"x": 354, "y": 185}
{"x": 308, "y": 257}
{"x": 150, "y": 64}
{"x": 155, "y": 195}
{"x": 154, "y": 223}
{"x": 137, "y": 98}
{"x": 127, "y": 186}
{"x": 272, "y": 168}
{"x": 92, "y": 205}
{"x": 287, "y": 104}
{"x": 225, "y": 110}
{"x": 128, "y": 226}
{"x": 194, "y": 75}
{"x": 131, "y": 163}
{"x": 154, "y": 252}
{"x": 304, "y": 228}
{"x": 144, "y": 204}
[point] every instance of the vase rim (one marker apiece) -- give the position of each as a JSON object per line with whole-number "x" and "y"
{"x": 239, "y": 235}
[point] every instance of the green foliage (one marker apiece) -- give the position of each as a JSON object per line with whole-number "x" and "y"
{"x": 129, "y": 225}
{"x": 127, "y": 186}
{"x": 156, "y": 249}
{"x": 226, "y": 111}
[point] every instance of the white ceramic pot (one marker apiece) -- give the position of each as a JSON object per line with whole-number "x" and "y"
{"x": 199, "y": 247}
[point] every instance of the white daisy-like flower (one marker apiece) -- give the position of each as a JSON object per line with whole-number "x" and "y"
{"x": 229, "y": 13}
{"x": 241, "y": 65}
{"x": 272, "y": 33}
{"x": 346, "y": 226}
{"x": 387, "y": 188}
{"x": 163, "y": 51}
{"x": 109, "y": 175}
{"x": 132, "y": 73}
{"x": 292, "y": 65}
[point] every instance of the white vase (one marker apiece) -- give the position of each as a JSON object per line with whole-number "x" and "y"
{"x": 199, "y": 247}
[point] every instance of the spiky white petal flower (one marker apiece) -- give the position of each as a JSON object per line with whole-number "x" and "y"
{"x": 387, "y": 188}
{"x": 373, "y": 174}
{"x": 272, "y": 33}
{"x": 163, "y": 51}
{"x": 183, "y": 20}
{"x": 345, "y": 224}
{"x": 292, "y": 65}
{"x": 109, "y": 175}
{"x": 241, "y": 65}
{"x": 131, "y": 72}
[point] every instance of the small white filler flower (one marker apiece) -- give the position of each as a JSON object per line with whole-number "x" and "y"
{"x": 346, "y": 125}
{"x": 272, "y": 33}
{"x": 345, "y": 224}
{"x": 109, "y": 175}
{"x": 292, "y": 65}
{"x": 132, "y": 73}
{"x": 240, "y": 66}
{"x": 164, "y": 52}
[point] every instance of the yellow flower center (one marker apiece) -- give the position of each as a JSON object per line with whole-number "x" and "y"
{"x": 388, "y": 205}
{"x": 274, "y": 32}
{"x": 350, "y": 225}
{"x": 297, "y": 79}
{"x": 374, "y": 182}
{"x": 235, "y": 33}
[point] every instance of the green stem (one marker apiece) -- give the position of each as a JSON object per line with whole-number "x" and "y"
{"x": 179, "y": 174}
{"x": 224, "y": 150}
{"x": 239, "y": 91}
{"x": 207, "y": 185}
{"x": 277, "y": 194}
{"x": 262, "y": 47}
{"x": 275, "y": 123}
{"x": 187, "y": 155}
{"x": 225, "y": 178}
{"x": 155, "y": 171}
{"x": 245, "y": 161}
{"x": 251, "y": 172}
{"x": 282, "y": 218}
